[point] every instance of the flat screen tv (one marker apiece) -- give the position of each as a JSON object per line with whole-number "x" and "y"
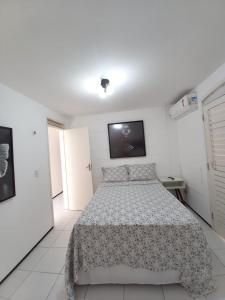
{"x": 126, "y": 139}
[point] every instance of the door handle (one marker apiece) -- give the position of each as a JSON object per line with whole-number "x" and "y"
{"x": 89, "y": 167}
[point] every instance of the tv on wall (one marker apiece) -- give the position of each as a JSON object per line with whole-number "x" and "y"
{"x": 7, "y": 179}
{"x": 126, "y": 139}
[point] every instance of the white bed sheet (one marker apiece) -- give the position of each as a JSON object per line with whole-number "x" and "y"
{"x": 137, "y": 232}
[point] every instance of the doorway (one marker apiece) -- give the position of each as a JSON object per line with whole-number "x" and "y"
{"x": 55, "y": 158}
{"x": 70, "y": 168}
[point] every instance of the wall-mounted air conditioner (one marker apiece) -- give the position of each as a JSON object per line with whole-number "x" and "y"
{"x": 184, "y": 106}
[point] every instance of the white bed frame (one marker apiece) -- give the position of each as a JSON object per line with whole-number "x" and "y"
{"x": 122, "y": 274}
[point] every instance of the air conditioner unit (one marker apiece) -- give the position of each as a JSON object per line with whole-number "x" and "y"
{"x": 184, "y": 106}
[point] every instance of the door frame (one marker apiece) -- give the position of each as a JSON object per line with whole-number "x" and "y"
{"x": 52, "y": 123}
{"x": 210, "y": 98}
{"x": 59, "y": 129}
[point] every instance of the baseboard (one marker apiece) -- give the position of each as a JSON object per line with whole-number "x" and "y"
{"x": 198, "y": 215}
{"x": 25, "y": 257}
{"x": 57, "y": 195}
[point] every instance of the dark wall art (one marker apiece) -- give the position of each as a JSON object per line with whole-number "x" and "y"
{"x": 126, "y": 139}
{"x": 7, "y": 178}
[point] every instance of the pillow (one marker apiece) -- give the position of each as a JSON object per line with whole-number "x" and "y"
{"x": 142, "y": 172}
{"x": 115, "y": 174}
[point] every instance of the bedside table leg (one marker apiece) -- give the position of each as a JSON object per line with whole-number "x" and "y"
{"x": 180, "y": 196}
{"x": 177, "y": 194}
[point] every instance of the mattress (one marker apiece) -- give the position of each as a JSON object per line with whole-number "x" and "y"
{"x": 141, "y": 226}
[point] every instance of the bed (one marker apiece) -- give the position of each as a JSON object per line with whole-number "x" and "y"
{"x": 138, "y": 232}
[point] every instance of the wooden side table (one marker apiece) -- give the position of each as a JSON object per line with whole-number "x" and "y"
{"x": 177, "y": 184}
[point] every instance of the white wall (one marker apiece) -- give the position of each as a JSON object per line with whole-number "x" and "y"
{"x": 160, "y": 138}
{"x": 55, "y": 160}
{"x": 192, "y": 148}
{"x": 25, "y": 218}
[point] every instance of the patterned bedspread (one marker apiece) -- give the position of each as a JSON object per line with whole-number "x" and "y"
{"x": 141, "y": 225}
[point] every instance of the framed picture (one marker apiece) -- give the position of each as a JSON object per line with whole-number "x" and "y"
{"x": 126, "y": 139}
{"x": 7, "y": 177}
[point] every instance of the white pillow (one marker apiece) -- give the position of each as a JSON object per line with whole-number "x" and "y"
{"x": 115, "y": 174}
{"x": 142, "y": 171}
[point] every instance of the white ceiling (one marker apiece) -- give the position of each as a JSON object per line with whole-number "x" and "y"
{"x": 49, "y": 49}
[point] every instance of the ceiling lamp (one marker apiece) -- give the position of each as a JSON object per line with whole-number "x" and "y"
{"x": 106, "y": 90}
{"x": 105, "y": 84}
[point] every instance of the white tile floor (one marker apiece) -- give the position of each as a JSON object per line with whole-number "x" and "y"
{"x": 41, "y": 275}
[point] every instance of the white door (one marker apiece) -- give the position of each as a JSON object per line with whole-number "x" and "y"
{"x": 214, "y": 113}
{"x": 78, "y": 168}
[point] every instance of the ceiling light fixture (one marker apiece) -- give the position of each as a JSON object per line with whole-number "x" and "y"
{"x": 106, "y": 89}
{"x": 104, "y": 84}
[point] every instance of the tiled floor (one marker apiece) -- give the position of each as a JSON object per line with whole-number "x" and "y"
{"x": 41, "y": 275}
